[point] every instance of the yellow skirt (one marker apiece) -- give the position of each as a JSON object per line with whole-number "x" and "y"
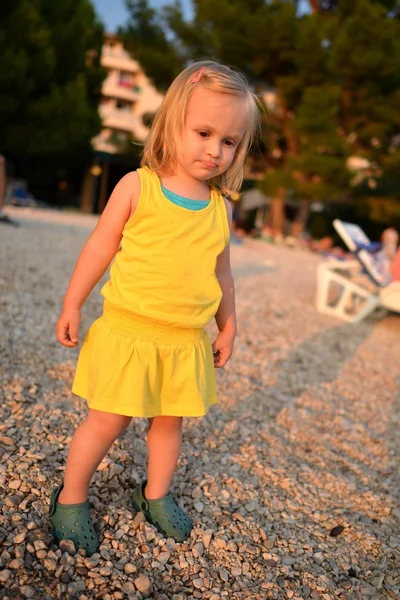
{"x": 137, "y": 367}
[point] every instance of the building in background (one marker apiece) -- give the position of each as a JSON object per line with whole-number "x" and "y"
{"x": 127, "y": 97}
{"x": 129, "y": 100}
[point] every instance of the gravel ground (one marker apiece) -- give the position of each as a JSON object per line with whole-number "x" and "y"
{"x": 292, "y": 481}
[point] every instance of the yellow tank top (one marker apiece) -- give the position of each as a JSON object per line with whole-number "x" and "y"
{"x": 165, "y": 266}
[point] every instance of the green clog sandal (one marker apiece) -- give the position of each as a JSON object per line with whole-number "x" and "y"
{"x": 163, "y": 513}
{"x": 73, "y": 522}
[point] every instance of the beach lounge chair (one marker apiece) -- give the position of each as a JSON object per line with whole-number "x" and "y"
{"x": 352, "y": 289}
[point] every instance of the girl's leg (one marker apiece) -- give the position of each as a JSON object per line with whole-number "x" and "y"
{"x": 164, "y": 439}
{"x": 89, "y": 445}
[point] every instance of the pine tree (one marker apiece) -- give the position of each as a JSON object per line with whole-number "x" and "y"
{"x": 335, "y": 73}
{"x": 50, "y": 84}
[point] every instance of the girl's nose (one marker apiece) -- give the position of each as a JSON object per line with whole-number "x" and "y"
{"x": 214, "y": 150}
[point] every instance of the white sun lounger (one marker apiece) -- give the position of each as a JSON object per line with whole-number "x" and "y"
{"x": 353, "y": 289}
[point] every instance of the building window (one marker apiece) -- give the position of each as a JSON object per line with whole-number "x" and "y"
{"x": 123, "y": 105}
{"x": 127, "y": 79}
{"x": 118, "y": 137}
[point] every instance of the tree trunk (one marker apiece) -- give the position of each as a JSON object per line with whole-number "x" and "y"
{"x": 103, "y": 187}
{"x": 87, "y": 193}
{"x": 314, "y": 6}
{"x": 346, "y": 101}
{"x": 2, "y": 181}
{"x": 301, "y": 218}
{"x": 278, "y": 213}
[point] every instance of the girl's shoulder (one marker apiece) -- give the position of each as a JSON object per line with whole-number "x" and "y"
{"x": 129, "y": 187}
{"x": 131, "y": 181}
{"x": 229, "y": 211}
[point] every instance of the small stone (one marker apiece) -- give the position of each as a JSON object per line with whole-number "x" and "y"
{"x": 368, "y": 590}
{"x": 163, "y": 557}
{"x": 119, "y": 533}
{"x": 215, "y": 597}
{"x": 130, "y": 568}
{"x": 288, "y": 561}
{"x": 67, "y": 546}
{"x": 236, "y": 571}
{"x": 198, "y": 583}
{"x": 128, "y": 588}
{"x": 40, "y": 545}
{"x": 199, "y": 506}
{"x": 318, "y": 558}
{"x": 207, "y": 538}
{"x": 5, "y": 575}
{"x": 223, "y": 573}
{"x": 198, "y": 550}
{"x": 50, "y": 564}
{"x": 19, "y": 538}
{"x": 143, "y": 585}
{"x": 15, "y": 484}
{"x": 270, "y": 562}
{"x": 139, "y": 518}
{"x": 76, "y": 586}
{"x": 337, "y": 530}
{"x": 6, "y": 441}
{"x": 171, "y": 545}
{"x": 27, "y": 591}
{"x": 17, "y": 563}
{"x": 378, "y": 581}
{"x": 92, "y": 561}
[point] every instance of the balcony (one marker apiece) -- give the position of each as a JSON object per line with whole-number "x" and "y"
{"x": 102, "y": 145}
{"x": 115, "y": 118}
{"x": 117, "y": 58}
{"x": 113, "y": 89}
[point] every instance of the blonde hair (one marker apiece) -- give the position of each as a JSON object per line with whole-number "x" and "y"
{"x": 160, "y": 148}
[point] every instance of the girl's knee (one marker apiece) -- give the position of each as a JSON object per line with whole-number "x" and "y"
{"x": 108, "y": 422}
{"x": 165, "y": 422}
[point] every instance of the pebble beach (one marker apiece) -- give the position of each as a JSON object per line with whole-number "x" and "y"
{"x": 292, "y": 481}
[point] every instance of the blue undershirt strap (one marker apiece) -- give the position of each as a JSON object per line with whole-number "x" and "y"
{"x": 184, "y": 202}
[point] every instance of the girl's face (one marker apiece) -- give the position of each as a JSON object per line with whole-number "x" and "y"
{"x": 214, "y": 126}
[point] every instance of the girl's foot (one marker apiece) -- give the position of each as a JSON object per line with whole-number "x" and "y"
{"x": 163, "y": 513}
{"x": 73, "y": 522}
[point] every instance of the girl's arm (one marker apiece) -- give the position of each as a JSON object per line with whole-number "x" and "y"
{"x": 96, "y": 255}
{"x": 226, "y": 313}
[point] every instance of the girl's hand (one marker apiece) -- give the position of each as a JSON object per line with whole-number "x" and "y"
{"x": 67, "y": 327}
{"x": 222, "y": 349}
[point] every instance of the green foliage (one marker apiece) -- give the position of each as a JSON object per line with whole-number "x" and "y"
{"x": 254, "y": 36}
{"x": 51, "y": 80}
{"x": 145, "y": 37}
{"x": 334, "y": 70}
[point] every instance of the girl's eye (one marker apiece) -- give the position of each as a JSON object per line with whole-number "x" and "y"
{"x": 203, "y": 134}
{"x": 230, "y": 143}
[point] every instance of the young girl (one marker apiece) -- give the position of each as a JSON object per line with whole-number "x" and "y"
{"x": 148, "y": 355}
